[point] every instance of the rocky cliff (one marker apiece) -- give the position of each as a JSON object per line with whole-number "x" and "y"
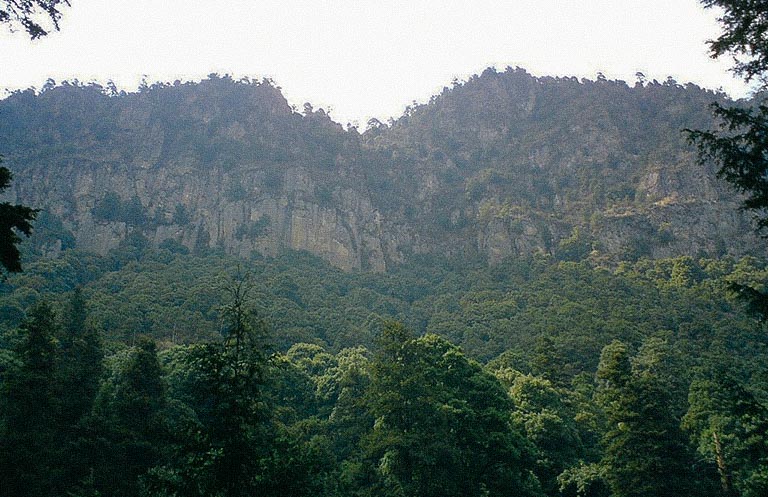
{"x": 504, "y": 163}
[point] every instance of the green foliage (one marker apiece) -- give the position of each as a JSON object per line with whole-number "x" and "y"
{"x": 181, "y": 215}
{"x": 227, "y": 450}
{"x": 129, "y": 421}
{"x": 329, "y": 418}
{"x": 235, "y": 192}
{"x": 512, "y": 153}
{"x": 729, "y": 426}
{"x": 46, "y": 396}
{"x": 739, "y": 149}
{"x": 505, "y": 153}
{"x": 542, "y": 413}
{"x": 441, "y": 425}
{"x": 221, "y": 414}
{"x": 739, "y": 146}
{"x": 645, "y": 452}
{"x": 253, "y": 230}
{"x": 80, "y": 363}
{"x": 111, "y": 208}
{"x": 574, "y": 248}
{"x": 30, "y": 455}
{"x": 744, "y": 36}
{"x": 13, "y": 218}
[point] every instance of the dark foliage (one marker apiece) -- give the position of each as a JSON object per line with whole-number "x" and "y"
{"x": 741, "y": 150}
{"x": 33, "y": 16}
{"x": 13, "y": 218}
{"x": 744, "y": 37}
{"x": 740, "y": 147}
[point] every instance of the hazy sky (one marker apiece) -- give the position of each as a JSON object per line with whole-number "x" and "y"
{"x": 367, "y": 58}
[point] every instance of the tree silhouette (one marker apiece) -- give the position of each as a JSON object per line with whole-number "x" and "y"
{"x": 740, "y": 146}
{"x": 36, "y": 17}
{"x": 13, "y": 218}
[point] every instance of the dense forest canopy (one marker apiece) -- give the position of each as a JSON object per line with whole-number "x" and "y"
{"x": 315, "y": 416}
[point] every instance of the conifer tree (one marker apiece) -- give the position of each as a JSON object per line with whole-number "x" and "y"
{"x": 226, "y": 448}
{"x": 644, "y": 449}
{"x": 13, "y": 219}
{"x": 730, "y": 429}
{"x": 81, "y": 360}
{"x": 739, "y": 147}
{"x": 30, "y": 451}
{"x": 129, "y": 423}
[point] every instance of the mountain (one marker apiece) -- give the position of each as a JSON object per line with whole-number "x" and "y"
{"x": 502, "y": 164}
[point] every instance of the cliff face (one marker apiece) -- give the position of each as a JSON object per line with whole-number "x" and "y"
{"x": 512, "y": 164}
{"x": 193, "y": 208}
{"x": 503, "y": 164}
{"x": 216, "y": 165}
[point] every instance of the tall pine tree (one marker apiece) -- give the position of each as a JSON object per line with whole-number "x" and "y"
{"x": 645, "y": 452}
{"x": 31, "y": 456}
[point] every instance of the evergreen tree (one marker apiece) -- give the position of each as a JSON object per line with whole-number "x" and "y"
{"x": 442, "y": 424}
{"x": 228, "y": 443}
{"x": 81, "y": 360}
{"x": 740, "y": 146}
{"x": 730, "y": 429}
{"x": 644, "y": 449}
{"x": 13, "y": 219}
{"x": 31, "y": 456}
{"x": 129, "y": 423}
{"x": 80, "y": 368}
{"x": 541, "y": 413}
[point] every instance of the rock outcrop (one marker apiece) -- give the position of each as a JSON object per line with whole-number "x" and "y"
{"x": 503, "y": 164}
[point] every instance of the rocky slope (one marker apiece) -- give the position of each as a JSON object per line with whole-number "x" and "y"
{"x": 504, "y": 163}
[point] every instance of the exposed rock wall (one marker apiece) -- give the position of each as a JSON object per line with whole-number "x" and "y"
{"x": 346, "y": 230}
{"x": 505, "y": 164}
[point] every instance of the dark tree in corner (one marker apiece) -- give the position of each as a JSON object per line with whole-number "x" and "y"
{"x": 13, "y": 218}
{"x": 744, "y": 37}
{"x": 36, "y": 17}
{"x": 740, "y": 146}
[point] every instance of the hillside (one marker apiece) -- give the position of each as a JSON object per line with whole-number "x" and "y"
{"x": 524, "y": 287}
{"x": 503, "y": 164}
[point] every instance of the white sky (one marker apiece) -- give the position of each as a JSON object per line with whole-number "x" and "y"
{"x": 367, "y": 58}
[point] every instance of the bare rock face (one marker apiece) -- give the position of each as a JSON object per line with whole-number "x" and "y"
{"x": 346, "y": 231}
{"x": 505, "y": 164}
{"x": 218, "y": 165}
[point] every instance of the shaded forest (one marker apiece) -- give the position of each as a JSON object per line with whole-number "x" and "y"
{"x": 524, "y": 287}
{"x": 156, "y": 372}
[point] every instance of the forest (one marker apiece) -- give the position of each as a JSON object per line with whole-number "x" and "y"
{"x": 528, "y": 286}
{"x": 158, "y": 372}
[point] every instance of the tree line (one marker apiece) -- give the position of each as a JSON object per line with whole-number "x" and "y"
{"x": 410, "y": 415}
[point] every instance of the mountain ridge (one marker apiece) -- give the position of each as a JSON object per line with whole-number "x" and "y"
{"x": 502, "y": 164}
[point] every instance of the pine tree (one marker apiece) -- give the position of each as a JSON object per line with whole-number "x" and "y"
{"x": 13, "y": 219}
{"x": 644, "y": 449}
{"x": 30, "y": 452}
{"x": 128, "y": 426}
{"x": 81, "y": 361}
{"x": 225, "y": 447}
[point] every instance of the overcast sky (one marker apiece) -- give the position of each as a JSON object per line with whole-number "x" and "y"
{"x": 366, "y": 58}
